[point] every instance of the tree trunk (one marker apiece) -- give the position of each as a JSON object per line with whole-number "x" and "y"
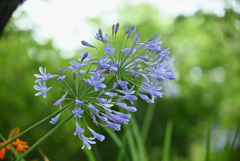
{"x": 7, "y": 7}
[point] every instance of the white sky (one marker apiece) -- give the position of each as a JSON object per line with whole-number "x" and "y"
{"x": 64, "y": 21}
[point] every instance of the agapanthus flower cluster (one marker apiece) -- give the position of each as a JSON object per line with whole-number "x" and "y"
{"x": 107, "y": 85}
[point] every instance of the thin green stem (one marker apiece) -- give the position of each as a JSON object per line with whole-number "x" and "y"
{"x": 45, "y": 136}
{"x": 167, "y": 141}
{"x": 232, "y": 147}
{"x": 140, "y": 143}
{"x": 38, "y": 123}
{"x": 147, "y": 121}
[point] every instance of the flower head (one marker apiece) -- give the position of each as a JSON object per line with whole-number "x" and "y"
{"x": 109, "y": 50}
{"x": 54, "y": 120}
{"x": 44, "y": 75}
{"x": 96, "y": 135}
{"x": 87, "y": 141}
{"x": 77, "y": 112}
{"x": 21, "y": 146}
{"x": 104, "y": 82}
{"x": 42, "y": 88}
{"x": 78, "y": 130}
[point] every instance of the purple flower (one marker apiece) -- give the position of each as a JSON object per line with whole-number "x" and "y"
{"x": 113, "y": 126}
{"x": 145, "y": 57}
{"x": 153, "y": 45}
{"x": 78, "y": 102}
{"x": 117, "y": 26}
{"x": 145, "y": 98}
{"x": 44, "y": 76}
{"x": 127, "y": 92}
{"x": 61, "y": 78}
{"x": 87, "y": 141}
{"x": 125, "y": 50}
{"x": 113, "y": 69}
{"x": 134, "y": 72}
{"x": 104, "y": 106}
{"x": 101, "y": 100}
{"x": 60, "y": 100}
{"x": 160, "y": 71}
{"x": 63, "y": 69}
{"x": 103, "y": 118}
{"x": 117, "y": 118}
{"x": 85, "y": 43}
{"x": 109, "y": 50}
{"x": 123, "y": 115}
{"x": 96, "y": 135}
{"x": 94, "y": 119}
{"x": 75, "y": 65}
{"x": 136, "y": 37}
{"x": 77, "y": 112}
{"x": 103, "y": 62}
{"x": 94, "y": 109}
{"x": 87, "y": 82}
{"x": 123, "y": 84}
{"x": 78, "y": 130}
{"x": 113, "y": 29}
{"x": 81, "y": 72}
{"x": 96, "y": 81}
{"x": 86, "y": 57}
{"x": 104, "y": 39}
{"x": 164, "y": 52}
{"x": 115, "y": 84}
{"x": 153, "y": 90}
{"x": 42, "y": 88}
{"x": 111, "y": 94}
{"x": 54, "y": 120}
{"x": 130, "y": 98}
{"x": 129, "y": 108}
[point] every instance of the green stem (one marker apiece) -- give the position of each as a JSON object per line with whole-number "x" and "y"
{"x": 140, "y": 143}
{"x": 232, "y": 147}
{"x": 133, "y": 151}
{"x": 147, "y": 121}
{"x": 38, "y": 123}
{"x": 167, "y": 141}
{"x": 45, "y": 136}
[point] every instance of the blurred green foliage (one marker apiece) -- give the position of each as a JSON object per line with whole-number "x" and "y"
{"x": 207, "y": 54}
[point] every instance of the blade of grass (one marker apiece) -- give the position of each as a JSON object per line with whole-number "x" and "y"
{"x": 141, "y": 148}
{"x": 167, "y": 141}
{"x": 224, "y": 152}
{"x": 147, "y": 121}
{"x": 122, "y": 149}
{"x": 208, "y": 143}
{"x": 96, "y": 153}
{"x": 132, "y": 147}
{"x": 89, "y": 154}
{"x": 232, "y": 147}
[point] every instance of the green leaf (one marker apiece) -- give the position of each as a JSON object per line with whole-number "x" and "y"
{"x": 167, "y": 141}
{"x": 147, "y": 121}
{"x": 232, "y": 147}
{"x": 224, "y": 152}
